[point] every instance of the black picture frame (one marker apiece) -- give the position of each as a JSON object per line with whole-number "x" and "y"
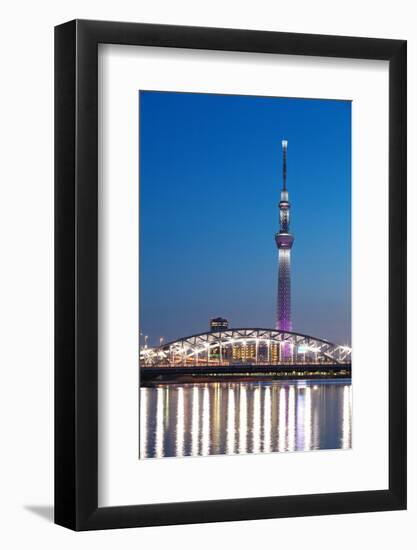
{"x": 76, "y": 272}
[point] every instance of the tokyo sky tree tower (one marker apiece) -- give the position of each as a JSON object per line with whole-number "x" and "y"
{"x": 284, "y": 241}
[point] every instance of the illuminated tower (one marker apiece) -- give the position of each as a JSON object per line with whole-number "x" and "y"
{"x": 284, "y": 241}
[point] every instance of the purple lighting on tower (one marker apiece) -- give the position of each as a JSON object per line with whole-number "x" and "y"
{"x": 284, "y": 241}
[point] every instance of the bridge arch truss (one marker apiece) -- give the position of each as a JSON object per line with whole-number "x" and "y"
{"x": 253, "y": 346}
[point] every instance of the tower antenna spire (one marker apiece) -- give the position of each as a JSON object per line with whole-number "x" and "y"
{"x": 284, "y": 164}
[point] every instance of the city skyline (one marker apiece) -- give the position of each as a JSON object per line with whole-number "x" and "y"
{"x": 210, "y": 179}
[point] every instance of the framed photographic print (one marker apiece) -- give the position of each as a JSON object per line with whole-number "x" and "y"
{"x": 230, "y": 338}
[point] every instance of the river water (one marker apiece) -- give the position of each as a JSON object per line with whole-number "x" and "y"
{"x": 244, "y": 417}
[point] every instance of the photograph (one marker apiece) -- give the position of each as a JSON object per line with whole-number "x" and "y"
{"x": 208, "y": 274}
{"x": 244, "y": 274}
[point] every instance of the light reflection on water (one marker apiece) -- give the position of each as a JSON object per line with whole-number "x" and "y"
{"x": 244, "y": 417}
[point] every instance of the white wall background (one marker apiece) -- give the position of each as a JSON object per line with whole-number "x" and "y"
{"x": 26, "y": 272}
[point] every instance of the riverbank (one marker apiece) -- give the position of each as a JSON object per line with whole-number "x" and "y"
{"x": 240, "y": 373}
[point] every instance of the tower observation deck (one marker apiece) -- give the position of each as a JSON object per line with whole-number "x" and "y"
{"x": 284, "y": 241}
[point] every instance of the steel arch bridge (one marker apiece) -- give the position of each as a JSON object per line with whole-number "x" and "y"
{"x": 251, "y": 346}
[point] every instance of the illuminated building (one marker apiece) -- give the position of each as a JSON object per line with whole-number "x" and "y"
{"x": 284, "y": 241}
{"x": 218, "y": 324}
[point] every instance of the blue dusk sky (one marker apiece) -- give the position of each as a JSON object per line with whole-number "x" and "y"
{"x": 210, "y": 178}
